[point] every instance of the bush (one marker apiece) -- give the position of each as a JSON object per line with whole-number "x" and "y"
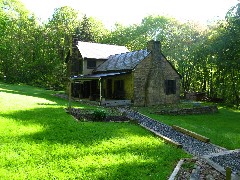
{"x": 99, "y": 115}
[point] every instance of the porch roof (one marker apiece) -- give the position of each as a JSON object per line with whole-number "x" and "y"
{"x": 95, "y": 76}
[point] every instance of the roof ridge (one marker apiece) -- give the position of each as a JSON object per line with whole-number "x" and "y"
{"x": 129, "y": 52}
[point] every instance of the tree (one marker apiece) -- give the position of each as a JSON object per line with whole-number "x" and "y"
{"x": 17, "y": 26}
{"x": 219, "y": 60}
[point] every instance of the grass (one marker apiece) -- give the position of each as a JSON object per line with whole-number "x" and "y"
{"x": 38, "y": 140}
{"x": 222, "y": 128}
{"x": 188, "y": 165}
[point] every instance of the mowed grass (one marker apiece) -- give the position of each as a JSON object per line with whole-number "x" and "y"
{"x": 223, "y": 128}
{"x": 38, "y": 140}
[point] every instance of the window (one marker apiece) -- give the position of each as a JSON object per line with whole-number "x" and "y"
{"x": 91, "y": 64}
{"x": 170, "y": 87}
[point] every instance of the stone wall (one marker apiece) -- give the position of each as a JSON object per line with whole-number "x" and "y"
{"x": 150, "y": 76}
{"x": 155, "y": 84}
{"x": 140, "y": 81}
{"x": 186, "y": 111}
{"x": 170, "y": 74}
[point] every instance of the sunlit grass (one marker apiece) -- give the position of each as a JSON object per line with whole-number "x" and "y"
{"x": 223, "y": 128}
{"x": 38, "y": 140}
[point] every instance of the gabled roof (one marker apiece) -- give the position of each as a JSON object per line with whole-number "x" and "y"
{"x": 124, "y": 61}
{"x": 99, "y": 51}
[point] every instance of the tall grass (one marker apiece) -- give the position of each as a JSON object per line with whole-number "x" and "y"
{"x": 38, "y": 140}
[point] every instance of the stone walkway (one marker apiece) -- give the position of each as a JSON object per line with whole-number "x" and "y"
{"x": 189, "y": 144}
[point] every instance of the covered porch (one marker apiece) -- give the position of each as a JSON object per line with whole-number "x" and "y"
{"x": 98, "y": 87}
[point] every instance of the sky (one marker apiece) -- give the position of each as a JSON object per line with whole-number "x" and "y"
{"x": 129, "y": 12}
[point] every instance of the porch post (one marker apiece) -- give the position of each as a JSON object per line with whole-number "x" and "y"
{"x": 90, "y": 82}
{"x": 70, "y": 94}
{"x": 100, "y": 84}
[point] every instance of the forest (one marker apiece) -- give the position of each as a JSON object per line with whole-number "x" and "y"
{"x": 207, "y": 57}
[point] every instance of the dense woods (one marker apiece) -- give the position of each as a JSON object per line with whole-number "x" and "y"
{"x": 208, "y": 58}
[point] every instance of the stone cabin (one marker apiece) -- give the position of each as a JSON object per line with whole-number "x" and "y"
{"x": 108, "y": 72}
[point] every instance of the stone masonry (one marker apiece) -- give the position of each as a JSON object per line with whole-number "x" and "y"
{"x": 149, "y": 78}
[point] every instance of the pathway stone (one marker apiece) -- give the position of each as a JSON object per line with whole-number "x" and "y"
{"x": 189, "y": 144}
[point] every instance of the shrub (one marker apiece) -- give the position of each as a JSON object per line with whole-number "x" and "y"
{"x": 99, "y": 115}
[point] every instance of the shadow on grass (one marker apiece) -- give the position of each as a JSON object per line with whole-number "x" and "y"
{"x": 90, "y": 144}
{"x": 148, "y": 160}
{"x": 60, "y": 127}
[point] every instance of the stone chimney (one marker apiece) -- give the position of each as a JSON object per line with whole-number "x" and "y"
{"x": 154, "y": 47}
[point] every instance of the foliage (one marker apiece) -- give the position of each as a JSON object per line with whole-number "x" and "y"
{"x": 35, "y": 53}
{"x": 188, "y": 165}
{"x": 38, "y": 139}
{"x": 219, "y": 59}
{"x": 99, "y": 115}
{"x": 15, "y": 40}
{"x": 208, "y": 58}
{"x": 134, "y": 37}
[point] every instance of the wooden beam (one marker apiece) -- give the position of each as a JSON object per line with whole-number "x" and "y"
{"x": 166, "y": 139}
{"x": 100, "y": 87}
{"x": 228, "y": 173}
{"x": 190, "y": 133}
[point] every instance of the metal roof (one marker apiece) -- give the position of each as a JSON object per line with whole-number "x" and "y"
{"x": 99, "y": 51}
{"x": 96, "y": 76}
{"x": 124, "y": 61}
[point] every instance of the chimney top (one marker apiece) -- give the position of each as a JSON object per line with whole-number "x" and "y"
{"x": 154, "y": 46}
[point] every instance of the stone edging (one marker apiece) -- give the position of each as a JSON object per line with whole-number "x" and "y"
{"x": 170, "y": 141}
{"x": 176, "y": 169}
{"x": 196, "y": 170}
{"x": 188, "y": 111}
{"x": 218, "y": 167}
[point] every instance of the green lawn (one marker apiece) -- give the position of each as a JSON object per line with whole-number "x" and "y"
{"x": 223, "y": 128}
{"x": 38, "y": 140}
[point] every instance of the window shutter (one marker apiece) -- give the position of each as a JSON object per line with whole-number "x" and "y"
{"x": 166, "y": 87}
{"x": 174, "y": 87}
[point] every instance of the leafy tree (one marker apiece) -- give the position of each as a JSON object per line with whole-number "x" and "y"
{"x": 15, "y": 35}
{"x": 90, "y": 30}
{"x": 218, "y": 60}
{"x": 228, "y": 56}
{"x": 84, "y": 30}
{"x": 207, "y": 58}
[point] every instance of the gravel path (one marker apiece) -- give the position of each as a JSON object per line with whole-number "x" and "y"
{"x": 189, "y": 144}
{"x": 228, "y": 160}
